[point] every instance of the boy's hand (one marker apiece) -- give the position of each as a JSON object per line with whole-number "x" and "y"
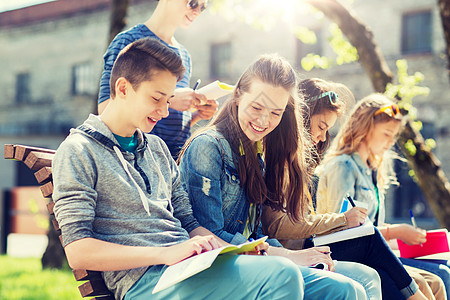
{"x": 185, "y": 99}
{"x": 355, "y": 216}
{"x": 193, "y": 246}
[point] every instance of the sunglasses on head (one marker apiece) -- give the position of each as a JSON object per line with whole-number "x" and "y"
{"x": 332, "y": 97}
{"x": 390, "y": 110}
{"x": 193, "y": 4}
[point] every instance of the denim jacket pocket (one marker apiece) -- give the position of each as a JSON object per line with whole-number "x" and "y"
{"x": 231, "y": 182}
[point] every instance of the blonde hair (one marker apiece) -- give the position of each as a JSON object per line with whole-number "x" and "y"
{"x": 358, "y": 126}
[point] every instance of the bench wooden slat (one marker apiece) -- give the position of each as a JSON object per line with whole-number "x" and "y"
{"x": 106, "y": 297}
{"x": 38, "y": 160}
{"x": 50, "y": 207}
{"x": 9, "y": 151}
{"x": 56, "y": 225}
{"x": 43, "y": 175}
{"x": 93, "y": 288}
{"x": 22, "y": 152}
{"x": 81, "y": 275}
{"x": 47, "y": 189}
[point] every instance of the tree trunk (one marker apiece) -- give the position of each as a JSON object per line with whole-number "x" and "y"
{"x": 54, "y": 256}
{"x": 430, "y": 177}
{"x": 117, "y": 23}
{"x": 444, "y": 6}
{"x": 119, "y": 10}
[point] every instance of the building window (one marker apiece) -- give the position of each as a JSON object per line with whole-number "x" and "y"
{"x": 221, "y": 61}
{"x": 82, "y": 79}
{"x": 23, "y": 94}
{"x": 416, "y": 33}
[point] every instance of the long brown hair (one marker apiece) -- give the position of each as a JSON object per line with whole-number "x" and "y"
{"x": 285, "y": 180}
{"x": 359, "y": 125}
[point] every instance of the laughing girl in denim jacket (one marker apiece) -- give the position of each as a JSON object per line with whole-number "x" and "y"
{"x": 244, "y": 158}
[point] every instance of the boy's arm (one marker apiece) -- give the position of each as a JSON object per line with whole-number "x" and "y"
{"x": 113, "y": 257}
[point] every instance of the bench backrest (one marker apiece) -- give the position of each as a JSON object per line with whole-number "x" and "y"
{"x": 40, "y": 160}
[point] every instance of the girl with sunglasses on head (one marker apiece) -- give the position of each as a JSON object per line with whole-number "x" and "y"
{"x": 244, "y": 157}
{"x": 168, "y": 16}
{"x": 359, "y": 165}
{"x": 323, "y": 108}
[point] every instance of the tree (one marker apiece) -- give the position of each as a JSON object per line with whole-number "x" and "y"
{"x": 53, "y": 256}
{"x": 444, "y": 7}
{"x": 427, "y": 168}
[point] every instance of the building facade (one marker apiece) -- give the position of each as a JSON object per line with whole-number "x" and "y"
{"x": 51, "y": 62}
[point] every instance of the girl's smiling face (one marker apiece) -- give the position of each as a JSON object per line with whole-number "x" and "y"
{"x": 260, "y": 110}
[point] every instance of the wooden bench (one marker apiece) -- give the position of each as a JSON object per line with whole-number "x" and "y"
{"x": 40, "y": 161}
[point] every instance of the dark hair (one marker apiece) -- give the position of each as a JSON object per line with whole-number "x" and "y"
{"x": 283, "y": 186}
{"x": 140, "y": 60}
{"x": 314, "y": 87}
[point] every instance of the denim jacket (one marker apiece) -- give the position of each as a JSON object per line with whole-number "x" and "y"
{"x": 212, "y": 182}
{"x": 348, "y": 174}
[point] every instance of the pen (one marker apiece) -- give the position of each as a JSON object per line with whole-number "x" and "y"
{"x": 413, "y": 221}
{"x": 197, "y": 84}
{"x": 350, "y": 200}
{"x": 262, "y": 251}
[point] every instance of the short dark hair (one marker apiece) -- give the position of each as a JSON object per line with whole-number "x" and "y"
{"x": 139, "y": 61}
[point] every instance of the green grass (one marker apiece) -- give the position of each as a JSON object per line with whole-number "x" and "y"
{"x": 23, "y": 278}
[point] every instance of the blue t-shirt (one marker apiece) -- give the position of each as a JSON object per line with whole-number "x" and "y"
{"x": 175, "y": 129}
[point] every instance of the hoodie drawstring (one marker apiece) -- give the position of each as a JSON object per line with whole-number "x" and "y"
{"x": 144, "y": 199}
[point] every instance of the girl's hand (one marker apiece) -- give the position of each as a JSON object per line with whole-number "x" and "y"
{"x": 193, "y": 246}
{"x": 208, "y": 110}
{"x": 263, "y": 246}
{"x": 355, "y": 216}
{"x": 409, "y": 234}
{"x": 312, "y": 256}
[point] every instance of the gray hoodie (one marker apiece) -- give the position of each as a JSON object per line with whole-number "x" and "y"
{"x": 106, "y": 193}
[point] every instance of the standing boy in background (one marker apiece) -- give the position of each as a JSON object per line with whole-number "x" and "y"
{"x": 166, "y": 18}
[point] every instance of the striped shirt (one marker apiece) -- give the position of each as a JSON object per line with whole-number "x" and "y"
{"x": 175, "y": 129}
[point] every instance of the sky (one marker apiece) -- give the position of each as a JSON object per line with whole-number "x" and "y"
{"x": 14, "y": 4}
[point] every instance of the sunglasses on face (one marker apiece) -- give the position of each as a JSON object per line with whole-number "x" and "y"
{"x": 390, "y": 110}
{"x": 332, "y": 97}
{"x": 193, "y": 4}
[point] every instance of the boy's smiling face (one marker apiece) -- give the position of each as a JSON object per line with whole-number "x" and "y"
{"x": 149, "y": 103}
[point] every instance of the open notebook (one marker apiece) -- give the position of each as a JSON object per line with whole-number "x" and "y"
{"x": 195, "y": 264}
{"x": 346, "y": 234}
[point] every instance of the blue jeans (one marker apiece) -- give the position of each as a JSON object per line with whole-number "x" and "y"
{"x": 438, "y": 267}
{"x": 366, "y": 276}
{"x": 250, "y": 277}
{"x": 373, "y": 251}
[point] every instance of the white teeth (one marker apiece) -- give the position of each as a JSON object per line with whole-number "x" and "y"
{"x": 257, "y": 128}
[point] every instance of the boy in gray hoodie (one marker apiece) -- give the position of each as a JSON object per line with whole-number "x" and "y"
{"x": 122, "y": 209}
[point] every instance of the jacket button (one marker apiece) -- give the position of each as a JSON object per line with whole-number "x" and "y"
{"x": 233, "y": 177}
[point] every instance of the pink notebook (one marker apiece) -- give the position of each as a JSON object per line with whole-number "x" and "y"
{"x": 437, "y": 242}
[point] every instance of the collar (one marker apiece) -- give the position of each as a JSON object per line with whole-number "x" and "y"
{"x": 364, "y": 168}
{"x": 259, "y": 148}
